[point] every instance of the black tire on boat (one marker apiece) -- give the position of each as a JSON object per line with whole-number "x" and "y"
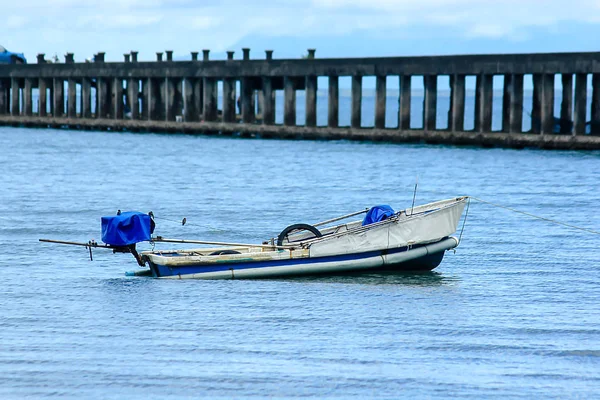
{"x": 223, "y": 252}
{"x": 297, "y": 227}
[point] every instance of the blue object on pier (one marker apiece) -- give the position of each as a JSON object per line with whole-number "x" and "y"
{"x": 126, "y": 228}
{"x": 377, "y": 214}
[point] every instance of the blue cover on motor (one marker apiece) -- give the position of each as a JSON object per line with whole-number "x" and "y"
{"x": 378, "y": 213}
{"x": 127, "y": 228}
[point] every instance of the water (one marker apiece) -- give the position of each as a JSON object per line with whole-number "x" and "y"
{"x": 514, "y": 313}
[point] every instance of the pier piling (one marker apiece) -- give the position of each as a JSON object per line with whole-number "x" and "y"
{"x": 333, "y": 112}
{"x": 456, "y": 113}
{"x": 404, "y": 102}
{"x": 356, "y": 116}
{"x": 380, "y": 101}
{"x": 430, "y": 102}
{"x": 289, "y": 102}
{"x": 595, "y": 112}
{"x": 311, "y": 101}
{"x": 27, "y": 97}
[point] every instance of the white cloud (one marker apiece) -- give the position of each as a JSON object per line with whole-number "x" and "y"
{"x": 116, "y": 26}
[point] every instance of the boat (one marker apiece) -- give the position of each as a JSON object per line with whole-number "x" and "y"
{"x": 411, "y": 240}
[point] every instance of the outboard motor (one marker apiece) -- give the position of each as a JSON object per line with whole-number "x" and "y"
{"x": 124, "y": 230}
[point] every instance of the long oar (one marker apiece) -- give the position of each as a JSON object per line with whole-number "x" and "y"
{"x": 340, "y": 218}
{"x": 88, "y": 244}
{"x": 264, "y": 246}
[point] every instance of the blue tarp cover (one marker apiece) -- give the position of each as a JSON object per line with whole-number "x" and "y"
{"x": 378, "y": 213}
{"x": 127, "y": 228}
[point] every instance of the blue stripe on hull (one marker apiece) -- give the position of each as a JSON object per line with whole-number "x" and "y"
{"x": 427, "y": 263}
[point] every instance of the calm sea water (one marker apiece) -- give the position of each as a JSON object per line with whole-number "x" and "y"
{"x": 512, "y": 314}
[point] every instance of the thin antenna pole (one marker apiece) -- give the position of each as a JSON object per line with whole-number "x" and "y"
{"x": 414, "y": 196}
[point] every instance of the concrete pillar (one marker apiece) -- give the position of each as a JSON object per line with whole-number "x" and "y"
{"x": 547, "y": 104}
{"x": 169, "y": 99}
{"x": 72, "y": 98}
{"x": 3, "y": 97}
{"x": 159, "y": 56}
{"x": 333, "y": 103}
{"x": 289, "y": 102}
{"x": 169, "y": 54}
{"x": 145, "y": 99}
{"x": 380, "y": 99}
{"x": 101, "y": 109}
{"x": 484, "y": 93}
{"x": 27, "y": 98}
{"x": 269, "y": 55}
{"x": 507, "y": 94}
{"x": 566, "y": 105}
{"x": 456, "y": 121}
{"x": 190, "y": 113}
{"x": 311, "y": 54}
{"x": 536, "y": 105}
{"x": 133, "y": 89}
{"x": 126, "y": 57}
{"x": 246, "y": 100}
{"x": 69, "y": 58}
{"x": 311, "y": 101}
{"x": 580, "y": 104}
{"x": 134, "y": 56}
{"x": 210, "y": 99}
{"x": 430, "y": 102}
{"x": 516, "y": 104}
{"x": 356, "y": 116}
{"x": 404, "y": 103}
{"x": 58, "y": 100}
{"x": 269, "y": 101}
{"x": 595, "y": 117}
{"x": 194, "y": 55}
{"x": 117, "y": 98}
{"x": 246, "y": 54}
{"x": 229, "y": 97}
{"x": 230, "y": 55}
{"x": 199, "y": 98}
{"x": 43, "y": 106}
{"x": 177, "y": 97}
{"x": 86, "y": 100}
{"x": 205, "y": 55}
{"x": 156, "y": 106}
{"x": 99, "y": 57}
{"x": 41, "y": 58}
{"x": 15, "y": 107}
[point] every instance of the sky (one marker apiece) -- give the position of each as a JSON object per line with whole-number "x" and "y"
{"x": 336, "y": 28}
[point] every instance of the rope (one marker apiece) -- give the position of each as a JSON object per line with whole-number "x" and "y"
{"x": 537, "y": 216}
{"x": 464, "y": 221}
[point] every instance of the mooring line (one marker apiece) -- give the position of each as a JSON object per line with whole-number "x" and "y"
{"x": 537, "y": 216}
{"x": 464, "y": 221}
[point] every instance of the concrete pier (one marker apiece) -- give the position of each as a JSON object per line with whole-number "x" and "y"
{"x": 169, "y": 95}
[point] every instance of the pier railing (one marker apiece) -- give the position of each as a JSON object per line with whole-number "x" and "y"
{"x": 161, "y": 94}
